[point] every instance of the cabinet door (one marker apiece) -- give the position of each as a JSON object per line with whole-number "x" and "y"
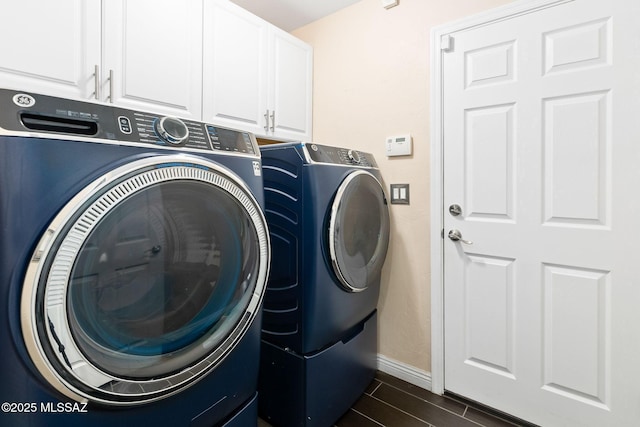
{"x": 153, "y": 51}
{"x": 235, "y": 70}
{"x": 291, "y": 90}
{"x": 50, "y": 47}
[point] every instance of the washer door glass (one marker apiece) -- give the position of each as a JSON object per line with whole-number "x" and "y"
{"x": 359, "y": 231}
{"x": 160, "y": 270}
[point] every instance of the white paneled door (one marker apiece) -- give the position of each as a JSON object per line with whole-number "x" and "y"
{"x": 541, "y": 150}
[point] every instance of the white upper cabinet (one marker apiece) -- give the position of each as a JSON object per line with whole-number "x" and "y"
{"x": 235, "y": 67}
{"x": 256, "y": 76}
{"x": 50, "y": 47}
{"x": 290, "y": 96}
{"x": 140, "y": 54}
{"x": 199, "y": 59}
{"x": 153, "y": 56}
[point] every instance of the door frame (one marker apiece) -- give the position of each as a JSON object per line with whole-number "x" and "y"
{"x": 441, "y": 42}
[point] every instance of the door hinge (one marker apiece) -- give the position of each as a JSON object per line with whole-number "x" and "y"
{"x": 446, "y": 43}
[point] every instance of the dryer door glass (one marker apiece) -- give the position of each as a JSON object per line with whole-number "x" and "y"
{"x": 158, "y": 270}
{"x": 359, "y": 231}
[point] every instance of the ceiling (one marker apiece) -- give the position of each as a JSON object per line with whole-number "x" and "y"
{"x": 292, "y": 14}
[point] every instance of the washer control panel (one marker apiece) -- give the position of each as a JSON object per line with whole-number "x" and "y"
{"x": 343, "y": 156}
{"x": 168, "y": 131}
{"x": 42, "y": 114}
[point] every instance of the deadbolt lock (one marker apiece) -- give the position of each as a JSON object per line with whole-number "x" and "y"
{"x": 455, "y": 210}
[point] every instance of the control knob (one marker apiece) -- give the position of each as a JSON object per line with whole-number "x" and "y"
{"x": 172, "y": 130}
{"x": 353, "y": 156}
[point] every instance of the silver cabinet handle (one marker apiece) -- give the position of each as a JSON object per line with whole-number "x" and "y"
{"x": 273, "y": 120}
{"x": 456, "y": 236}
{"x": 111, "y": 86}
{"x": 266, "y": 120}
{"x": 96, "y": 82}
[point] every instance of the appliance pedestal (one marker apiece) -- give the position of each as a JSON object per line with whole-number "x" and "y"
{"x": 314, "y": 390}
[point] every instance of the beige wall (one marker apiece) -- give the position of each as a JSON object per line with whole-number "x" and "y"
{"x": 371, "y": 80}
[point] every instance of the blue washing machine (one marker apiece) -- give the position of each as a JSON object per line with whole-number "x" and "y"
{"x": 329, "y": 225}
{"x": 134, "y": 262}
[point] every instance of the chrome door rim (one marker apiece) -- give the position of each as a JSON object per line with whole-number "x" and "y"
{"x": 83, "y": 381}
{"x": 333, "y": 228}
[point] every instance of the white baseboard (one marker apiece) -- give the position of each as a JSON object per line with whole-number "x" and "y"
{"x": 405, "y": 372}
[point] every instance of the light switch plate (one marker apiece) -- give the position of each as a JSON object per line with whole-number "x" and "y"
{"x": 399, "y": 194}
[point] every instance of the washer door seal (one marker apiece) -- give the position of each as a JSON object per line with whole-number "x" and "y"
{"x": 145, "y": 281}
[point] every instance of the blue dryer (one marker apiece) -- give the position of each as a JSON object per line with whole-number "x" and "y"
{"x": 134, "y": 258}
{"x": 329, "y": 224}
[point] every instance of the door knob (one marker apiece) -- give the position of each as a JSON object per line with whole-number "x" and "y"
{"x": 456, "y": 236}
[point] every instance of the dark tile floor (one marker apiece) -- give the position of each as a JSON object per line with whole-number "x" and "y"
{"x": 391, "y": 402}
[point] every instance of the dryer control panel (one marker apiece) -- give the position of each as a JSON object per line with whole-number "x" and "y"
{"x": 317, "y": 153}
{"x": 48, "y": 116}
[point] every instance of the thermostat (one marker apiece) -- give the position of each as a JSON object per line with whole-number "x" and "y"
{"x": 398, "y": 145}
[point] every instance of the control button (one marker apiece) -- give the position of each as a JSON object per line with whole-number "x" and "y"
{"x": 172, "y": 130}
{"x": 125, "y": 124}
{"x": 213, "y": 137}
